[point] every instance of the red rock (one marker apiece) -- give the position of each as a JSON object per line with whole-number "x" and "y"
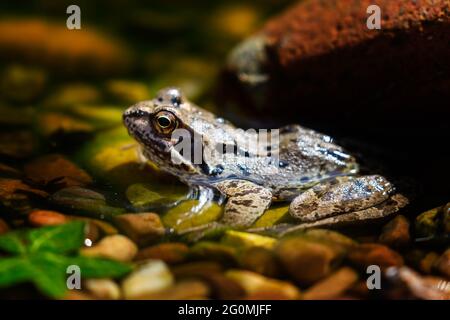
{"x": 56, "y": 170}
{"x": 4, "y": 228}
{"x": 396, "y": 232}
{"x": 42, "y": 218}
{"x": 368, "y": 254}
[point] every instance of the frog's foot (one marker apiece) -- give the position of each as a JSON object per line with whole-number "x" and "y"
{"x": 340, "y": 195}
{"x": 246, "y": 202}
{"x": 379, "y": 211}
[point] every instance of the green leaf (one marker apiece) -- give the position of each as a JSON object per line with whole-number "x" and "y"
{"x": 49, "y": 273}
{"x": 61, "y": 239}
{"x": 13, "y": 242}
{"x": 14, "y": 270}
{"x": 100, "y": 268}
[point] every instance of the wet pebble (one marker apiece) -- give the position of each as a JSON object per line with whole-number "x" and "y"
{"x": 442, "y": 264}
{"x": 142, "y": 228}
{"x": 127, "y": 91}
{"x": 244, "y": 240}
{"x": 170, "y": 253}
{"x": 332, "y": 286}
{"x": 396, "y": 232}
{"x": 183, "y": 290}
{"x": 42, "y": 218}
{"x": 254, "y": 283}
{"x": 260, "y": 260}
{"x": 368, "y": 254}
{"x": 84, "y": 200}
{"x": 115, "y": 247}
{"x": 104, "y": 289}
{"x": 4, "y": 228}
{"x": 22, "y": 84}
{"x": 150, "y": 278}
{"x": 56, "y": 170}
{"x": 307, "y": 261}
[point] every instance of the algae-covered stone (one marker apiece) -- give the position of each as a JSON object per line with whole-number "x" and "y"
{"x": 116, "y": 247}
{"x": 142, "y": 228}
{"x": 52, "y": 123}
{"x": 327, "y": 236}
{"x": 145, "y": 195}
{"x": 427, "y": 223}
{"x": 308, "y": 261}
{"x": 271, "y": 217}
{"x": 85, "y": 201}
{"x": 208, "y": 250}
{"x": 243, "y": 240}
{"x": 255, "y": 283}
{"x": 71, "y": 94}
{"x": 114, "y": 158}
{"x": 188, "y": 214}
{"x": 150, "y": 278}
{"x": 127, "y": 91}
{"x": 22, "y": 84}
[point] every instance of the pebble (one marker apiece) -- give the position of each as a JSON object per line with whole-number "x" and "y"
{"x": 116, "y": 247}
{"x": 254, "y": 283}
{"x": 332, "y": 286}
{"x": 150, "y": 278}
{"x": 396, "y": 232}
{"x": 4, "y": 228}
{"x": 171, "y": 252}
{"x": 247, "y": 240}
{"x": 55, "y": 169}
{"x": 260, "y": 260}
{"x": 42, "y": 218}
{"x": 308, "y": 261}
{"x": 142, "y": 228}
{"x": 183, "y": 290}
{"x": 442, "y": 264}
{"x": 105, "y": 289}
{"x": 368, "y": 254}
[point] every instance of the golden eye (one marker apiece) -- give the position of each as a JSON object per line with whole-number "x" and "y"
{"x": 165, "y": 122}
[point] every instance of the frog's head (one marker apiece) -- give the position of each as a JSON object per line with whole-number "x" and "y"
{"x": 155, "y": 124}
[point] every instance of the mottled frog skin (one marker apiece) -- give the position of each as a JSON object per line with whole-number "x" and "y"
{"x": 316, "y": 174}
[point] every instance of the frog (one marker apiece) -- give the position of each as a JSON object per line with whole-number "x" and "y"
{"x": 317, "y": 176}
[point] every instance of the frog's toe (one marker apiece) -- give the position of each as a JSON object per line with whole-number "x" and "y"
{"x": 340, "y": 195}
{"x": 393, "y": 204}
{"x": 246, "y": 202}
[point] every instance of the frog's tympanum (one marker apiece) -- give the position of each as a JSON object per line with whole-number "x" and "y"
{"x": 317, "y": 175}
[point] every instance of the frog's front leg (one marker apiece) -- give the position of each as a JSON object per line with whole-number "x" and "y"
{"x": 246, "y": 202}
{"x": 339, "y": 196}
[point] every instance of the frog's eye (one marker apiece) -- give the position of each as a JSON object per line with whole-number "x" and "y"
{"x": 165, "y": 122}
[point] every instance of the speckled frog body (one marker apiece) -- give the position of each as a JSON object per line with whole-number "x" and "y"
{"x": 295, "y": 164}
